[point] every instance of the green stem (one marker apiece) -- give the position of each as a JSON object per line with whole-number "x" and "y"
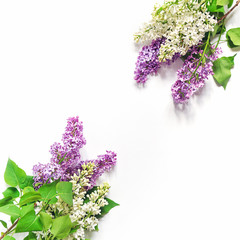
{"x": 62, "y": 158}
{"x": 202, "y": 57}
{"x": 10, "y": 229}
{"x": 219, "y": 38}
{"x": 219, "y": 41}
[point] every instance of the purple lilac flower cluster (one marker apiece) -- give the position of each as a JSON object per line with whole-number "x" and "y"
{"x": 103, "y": 163}
{"x": 148, "y": 60}
{"x": 68, "y": 154}
{"x": 45, "y": 173}
{"x": 191, "y": 77}
{"x": 66, "y": 158}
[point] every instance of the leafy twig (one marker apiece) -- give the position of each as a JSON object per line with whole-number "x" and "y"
{"x": 223, "y": 17}
{"x": 14, "y": 224}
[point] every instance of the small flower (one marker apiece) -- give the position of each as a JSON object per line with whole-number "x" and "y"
{"x": 181, "y": 91}
{"x": 102, "y": 164}
{"x": 148, "y": 60}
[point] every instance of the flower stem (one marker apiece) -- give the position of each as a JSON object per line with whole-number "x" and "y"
{"x": 202, "y": 57}
{"x": 223, "y": 17}
{"x": 219, "y": 38}
{"x": 9, "y": 230}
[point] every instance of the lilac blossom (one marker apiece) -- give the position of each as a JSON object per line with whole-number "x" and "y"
{"x": 148, "y": 60}
{"x": 72, "y": 140}
{"x": 102, "y": 164}
{"x": 66, "y": 158}
{"x": 191, "y": 77}
{"x": 45, "y": 173}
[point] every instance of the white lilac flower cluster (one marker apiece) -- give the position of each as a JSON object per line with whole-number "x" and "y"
{"x": 182, "y": 23}
{"x": 86, "y": 207}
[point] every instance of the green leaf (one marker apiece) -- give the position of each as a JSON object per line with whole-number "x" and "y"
{"x": 221, "y": 69}
{"x": 107, "y": 208}
{"x": 31, "y": 236}
{"x": 26, "y": 209}
{"x": 11, "y": 210}
{"x": 216, "y": 29}
{"x": 46, "y": 220}
{"x": 213, "y": 7}
{"x": 5, "y": 201}
{"x": 28, "y": 182}
{"x": 9, "y": 238}
{"x": 61, "y": 227}
{"x": 222, "y": 2}
{"x": 30, "y": 222}
{"x": 233, "y": 37}
{"x": 30, "y": 197}
{"x": 11, "y": 192}
{"x": 13, "y": 219}
{"x": 53, "y": 200}
{"x": 96, "y": 228}
{"x": 48, "y": 192}
{"x": 230, "y": 3}
{"x": 64, "y": 190}
{"x": 14, "y": 176}
{"x": 28, "y": 189}
{"x": 74, "y": 228}
{"x": 3, "y": 223}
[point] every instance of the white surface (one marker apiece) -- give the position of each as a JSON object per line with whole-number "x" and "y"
{"x": 177, "y": 175}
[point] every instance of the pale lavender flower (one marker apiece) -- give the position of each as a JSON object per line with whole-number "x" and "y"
{"x": 73, "y": 136}
{"x": 45, "y": 173}
{"x": 191, "y": 77}
{"x": 148, "y": 60}
{"x": 181, "y": 91}
{"x": 72, "y": 140}
{"x": 66, "y": 158}
{"x": 102, "y": 164}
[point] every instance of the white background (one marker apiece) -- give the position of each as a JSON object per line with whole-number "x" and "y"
{"x": 178, "y": 170}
